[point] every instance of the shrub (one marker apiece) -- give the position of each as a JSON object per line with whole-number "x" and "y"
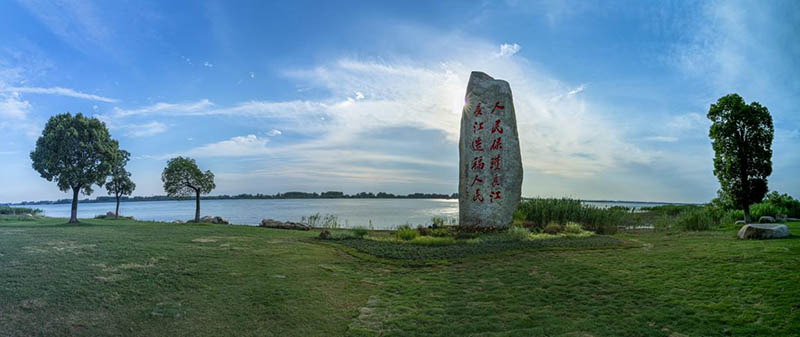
{"x": 663, "y": 222}
{"x": 785, "y": 201}
{"x": 439, "y": 232}
{"x": 406, "y": 233}
{"x": 432, "y": 241}
{"x": 6, "y": 210}
{"x": 360, "y": 232}
{"x": 437, "y": 222}
{"x": 766, "y": 209}
{"x": 552, "y": 228}
{"x": 517, "y": 233}
{"x": 695, "y": 220}
{"x": 572, "y": 228}
{"x": 730, "y": 217}
{"x": 561, "y": 211}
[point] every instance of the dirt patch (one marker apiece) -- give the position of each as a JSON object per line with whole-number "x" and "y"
{"x": 60, "y": 247}
{"x": 32, "y": 304}
{"x": 204, "y": 240}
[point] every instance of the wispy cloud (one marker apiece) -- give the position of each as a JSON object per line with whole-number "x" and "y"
{"x": 60, "y": 92}
{"x": 12, "y": 107}
{"x": 274, "y": 132}
{"x": 144, "y": 130}
{"x": 241, "y": 146}
{"x": 508, "y": 49}
{"x": 78, "y": 23}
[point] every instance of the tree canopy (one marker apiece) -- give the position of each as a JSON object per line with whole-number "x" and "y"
{"x": 741, "y": 136}
{"x": 76, "y": 152}
{"x": 182, "y": 177}
{"x": 120, "y": 183}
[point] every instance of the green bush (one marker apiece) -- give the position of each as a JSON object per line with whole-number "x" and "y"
{"x": 517, "y": 233}
{"x": 360, "y": 231}
{"x": 785, "y": 201}
{"x": 766, "y": 209}
{"x": 663, "y": 222}
{"x": 731, "y": 216}
{"x": 698, "y": 219}
{"x": 406, "y": 233}
{"x": 6, "y": 210}
{"x": 440, "y": 232}
{"x": 572, "y": 228}
{"x": 561, "y": 211}
{"x": 433, "y": 241}
{"x": 437, "y": 222}
{"x": 552, "y": 228}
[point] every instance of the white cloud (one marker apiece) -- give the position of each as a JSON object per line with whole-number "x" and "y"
{"x": 208, "y": 64}
{"x": 165, "y": 108}
{"x": 240, "y": 146}
{"x": 508, "y": 49}
{"x": 144, "y": 130}
{"x": 663, "y": 139}
{"x": 12, "y": 107}
{"x": 688, "y": 122}
{"x": 252, "y": 75}
{"x": 60, "y": 92}
{"x": 274, "y": 132}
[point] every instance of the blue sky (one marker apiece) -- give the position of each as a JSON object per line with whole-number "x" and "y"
{"x": 366, "y": 96}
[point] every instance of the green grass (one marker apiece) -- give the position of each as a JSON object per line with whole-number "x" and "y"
{"x": 123, "y": 277}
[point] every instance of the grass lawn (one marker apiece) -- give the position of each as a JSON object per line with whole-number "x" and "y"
{"x": 121, "y": 277}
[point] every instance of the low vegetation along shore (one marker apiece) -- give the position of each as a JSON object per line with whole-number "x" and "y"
{"x": 554, "y": 273}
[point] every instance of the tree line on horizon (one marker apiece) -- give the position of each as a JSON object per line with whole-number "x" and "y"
{"x": 257, "y": 196}
{"x": 78, "y": 152}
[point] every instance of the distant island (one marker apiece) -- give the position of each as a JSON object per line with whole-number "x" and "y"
{"x": 286, "y": 195}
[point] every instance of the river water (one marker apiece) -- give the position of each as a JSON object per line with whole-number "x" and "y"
{"x": 377, "y": 213}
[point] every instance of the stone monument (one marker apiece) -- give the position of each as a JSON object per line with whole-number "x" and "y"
{"x": 490, "y": 170}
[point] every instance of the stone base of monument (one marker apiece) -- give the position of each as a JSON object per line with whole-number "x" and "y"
{"x": 763, "y": 231}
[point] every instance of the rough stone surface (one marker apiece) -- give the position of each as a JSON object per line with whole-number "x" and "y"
{"x": 766, "y": 219}
{"x": 110, "y": 214}
{"x": 212, "y": 219}
{"x": 269, "y": 223}
{"x": 763, "y": 231}
{"x": 490, "y": 164}
{"x": 739, "y": 222}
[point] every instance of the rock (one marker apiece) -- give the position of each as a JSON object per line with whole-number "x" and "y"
{"x": 178, "y": 221}
{"x": 763, "y": 231}
{"x": 781, "y": 218}
{"x": 490, "y": 164}
{"x": 325, "y": 234}
{"x": 110, "y": 214}
{"x": 792, "y": 219}
{"x": 28, "y": 215}
{"x": 269, "y": 223}
{"x": 212, "y": 219}
{"x": 766, "y": 219}
{"x": 739, "y": 222}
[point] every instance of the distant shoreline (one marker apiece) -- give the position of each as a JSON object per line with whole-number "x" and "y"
{"x": 293, "y": 196}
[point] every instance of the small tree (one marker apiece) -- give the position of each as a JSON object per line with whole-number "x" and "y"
{"x": 741, "y": 136}
{"x": 181, "y": 177}
{"x": 76, "y": 152}
{"x": 120, "y": 183}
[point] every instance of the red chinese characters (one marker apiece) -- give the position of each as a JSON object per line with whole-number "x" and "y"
{"x": 478, "y": 110}
{"x": 496, "y": 144}
{"x": 477, "y": 196}
{"x": 496, "y": 128}
{"x": 478, "y": 126}
{"x": 494, "y": 195}
{"x": 476, "y": 180}
{"x": 494, "y": 163}
{"x": 477, "y": 163}
{"x": 477, "y": 144}
{"x": 496, "y": 107}
{"x": 495, "y": 181}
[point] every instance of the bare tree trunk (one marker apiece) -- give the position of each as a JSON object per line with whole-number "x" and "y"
{"x": 116, "y": 213}
{"x": 74, "y": 214}
{"x": 197, "y": 209}
{"x": 746, "y": 213}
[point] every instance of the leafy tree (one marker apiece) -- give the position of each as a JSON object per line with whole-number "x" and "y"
{"x": 181, "y": 177}
{"x": 120, "y": 183}
{"x": 75, "y": 152}
{"x": 741, "y": 136}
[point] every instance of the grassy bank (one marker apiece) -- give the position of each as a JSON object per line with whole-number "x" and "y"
{"x": 122, "y": 277}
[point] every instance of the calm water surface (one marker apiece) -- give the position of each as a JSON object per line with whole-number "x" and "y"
{"x": 380, "y": 213}
{"x": 383, "y": 213}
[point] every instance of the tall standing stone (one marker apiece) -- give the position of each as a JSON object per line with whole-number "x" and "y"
{"x": 490, "y": 170}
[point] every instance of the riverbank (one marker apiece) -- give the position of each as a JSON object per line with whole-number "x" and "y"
{"x": 121, "y": 277}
